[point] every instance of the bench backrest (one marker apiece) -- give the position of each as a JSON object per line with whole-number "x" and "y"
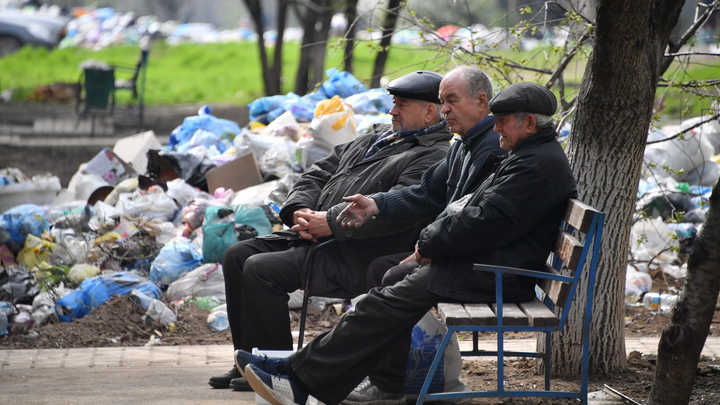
{"x": 580, "y": 234}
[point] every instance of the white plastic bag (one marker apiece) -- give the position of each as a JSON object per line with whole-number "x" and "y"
{"x": 151, "y": 205}
{"x": 426, "y": 338}
{"x": 205, "y": 281}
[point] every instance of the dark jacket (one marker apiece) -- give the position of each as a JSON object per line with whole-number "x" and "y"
{"x": 443, "y": 182}
{"x": 511, "y": 220}
{"x": 344, "y": 172}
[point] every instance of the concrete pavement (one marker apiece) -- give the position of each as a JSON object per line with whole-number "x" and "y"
{"x": 174, "y": 375}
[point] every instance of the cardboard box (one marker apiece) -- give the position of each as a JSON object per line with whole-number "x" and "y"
{"x": 238, "y": 174}
{"x": 133, "y": 150}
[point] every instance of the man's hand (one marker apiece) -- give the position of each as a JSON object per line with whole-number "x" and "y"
{"x": 311, "y": 225}
{"x": 358, "y": 212}
{"x": 415, "y": 257}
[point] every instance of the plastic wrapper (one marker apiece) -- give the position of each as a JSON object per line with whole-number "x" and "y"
{"x": 70, "y": 250}
{"x": 35, "y": 251}
{"x": 149, "y": 205}
{"x": 155, "y": 309}
{"x": 174, "y": 260}
{"x": 19, "y": 222}
{"x": 205, "y": 281}
{"x": 17, "y": 285}
{"x": 79, "y": 272}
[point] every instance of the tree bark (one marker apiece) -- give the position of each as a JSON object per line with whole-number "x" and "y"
{"x": 682, "y": 341}
{"x": 316, "y": 25}
{"x": 271, "y": 74}
{"x": 351, "y": 15}
{"x": 617, "y": 91}
{"x": 387, "y": 32}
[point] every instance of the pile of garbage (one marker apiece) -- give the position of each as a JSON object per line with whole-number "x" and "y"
{"x": 151, "y": 221}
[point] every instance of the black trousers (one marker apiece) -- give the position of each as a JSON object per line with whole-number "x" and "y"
{"x": 373, "y": 341}
{"x": 259, "y": 273}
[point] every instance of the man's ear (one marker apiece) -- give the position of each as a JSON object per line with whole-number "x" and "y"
{"x": 431, "y": 112}
{"x": 531, "y": 123}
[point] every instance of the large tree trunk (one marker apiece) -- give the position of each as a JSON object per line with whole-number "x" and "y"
{"x": 617, "y": 91}
{"x": 683, "y": 340}
{"x": 387, "y": 32}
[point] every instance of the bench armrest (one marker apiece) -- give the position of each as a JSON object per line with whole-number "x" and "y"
{"x": 521, "y": 272}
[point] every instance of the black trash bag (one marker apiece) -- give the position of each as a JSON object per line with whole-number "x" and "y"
{"x": 17, "y": 285}
{"x": 187, "y": 166}
{"x": 665, "y": 204}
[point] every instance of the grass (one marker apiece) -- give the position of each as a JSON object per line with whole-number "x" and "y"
{"x": 230, "y": 72}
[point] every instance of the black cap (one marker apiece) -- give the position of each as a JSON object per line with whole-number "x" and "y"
{"x": 421, "y": 85}
{"x": 524, "y": 97}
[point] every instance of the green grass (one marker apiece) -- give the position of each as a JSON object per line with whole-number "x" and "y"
{"x": 230, "y": 72}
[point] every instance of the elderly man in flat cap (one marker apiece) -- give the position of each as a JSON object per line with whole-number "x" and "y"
{"x": 510, "y": 220}
{"x": 259, "y": 273}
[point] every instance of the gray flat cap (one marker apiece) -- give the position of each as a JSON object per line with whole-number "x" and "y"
{"x": 421, "y": 85}
{"x": 524, "y": 97}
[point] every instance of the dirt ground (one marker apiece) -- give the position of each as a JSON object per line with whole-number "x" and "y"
{"x": 118, "y": 322}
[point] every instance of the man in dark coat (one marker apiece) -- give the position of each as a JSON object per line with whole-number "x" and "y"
{"x": 259, "y": 273}
{"x": 510, "y": 220}
{"x": 469, "y": 161}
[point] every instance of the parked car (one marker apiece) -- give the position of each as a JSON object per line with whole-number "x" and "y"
{"x": 20, "y": 28}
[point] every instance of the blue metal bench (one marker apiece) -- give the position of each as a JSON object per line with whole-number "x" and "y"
{"x": 558, "y": 286}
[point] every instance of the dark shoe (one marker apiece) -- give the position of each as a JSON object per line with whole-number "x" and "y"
{"x": 267, "y": 364}
{"x": 368, "y": 394}
{"x": 240, "y": 384}
{"x": 223, "y": 381}
{"x": 276, "y": 389}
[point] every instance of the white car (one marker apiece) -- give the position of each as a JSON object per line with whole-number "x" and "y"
{"x": 19, "y": 28}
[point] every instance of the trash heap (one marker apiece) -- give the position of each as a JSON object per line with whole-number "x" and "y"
{"x": 151, "y": 222}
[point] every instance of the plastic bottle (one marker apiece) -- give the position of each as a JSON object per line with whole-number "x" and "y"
{"x": 659, "y": 302}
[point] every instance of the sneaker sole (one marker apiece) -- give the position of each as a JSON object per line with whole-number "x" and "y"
{"x": 237, "y": 366}
{"x": 398, "y": 401}
{"x": 264, "y": 391}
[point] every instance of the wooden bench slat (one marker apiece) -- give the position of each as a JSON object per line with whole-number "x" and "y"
{"x": 481, "y": 314}
{"x": 453, "y": 314}
{"x": 538, "y": 314}
{"x": 512, "y": 315}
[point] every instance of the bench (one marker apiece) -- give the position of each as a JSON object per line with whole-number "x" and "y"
{"x": 580, "y": 234}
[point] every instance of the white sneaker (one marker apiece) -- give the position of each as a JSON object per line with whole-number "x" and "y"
{"x": 368, "y": 394}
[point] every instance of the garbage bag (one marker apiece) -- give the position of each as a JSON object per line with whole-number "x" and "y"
{"x": 187, "y": 166}
{"x": 219, "y": 229}
{"x": 174, "y": 260}
{"x": 334, "y": 122}
{"x": 205, "y": 281}
{"x": 218, "y": 127}
{"x": 19, "y": 222}
{"x": 94, "y": 291}
{"x": 342, "y": 84}
{"x": 148, "y": 205}
{"x": 426, "y": 337}
{"x": 35, "y": 251}
{"x": 17, "y": 285}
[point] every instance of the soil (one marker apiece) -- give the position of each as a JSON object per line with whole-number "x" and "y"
{"x": 118, "y": 322}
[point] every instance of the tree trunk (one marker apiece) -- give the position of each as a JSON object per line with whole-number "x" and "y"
{"x": 316, "y": 24}
{"x": 682, "y": 341}
{"x": 387, "y": 32}
{"x": 617, "y": 91}
{"x": 351, "y": 15}
{"x": 270, "y": 81}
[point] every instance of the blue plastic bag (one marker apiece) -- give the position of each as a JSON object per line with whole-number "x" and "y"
{"x": 342, "y": 84}
{"x": 174, "y": 260}
{"x": 20, "y": 221}
{"x": 94, "y": 291}
{"x": 217, "y": 126}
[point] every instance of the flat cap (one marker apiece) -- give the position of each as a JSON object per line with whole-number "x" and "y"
{"x": 524, "y": 97}
{"x": 421, "y": 85}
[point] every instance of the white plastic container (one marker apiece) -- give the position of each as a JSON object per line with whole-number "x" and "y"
{"x": 659, "y": 302}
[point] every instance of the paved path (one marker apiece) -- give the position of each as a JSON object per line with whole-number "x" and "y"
{"x": 173, "y": 375}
